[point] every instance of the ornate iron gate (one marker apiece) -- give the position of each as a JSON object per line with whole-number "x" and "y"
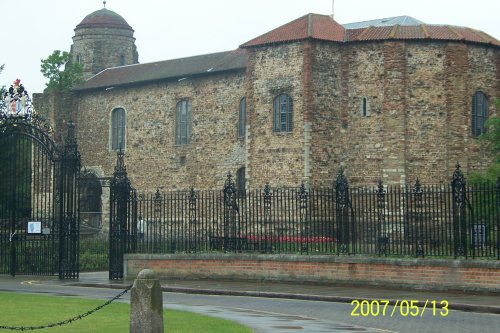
{"x": 39, "y": 227}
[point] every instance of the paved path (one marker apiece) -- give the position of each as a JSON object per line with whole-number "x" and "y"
{"x": 269, "y": 317}
{"x": 477, "y": 302}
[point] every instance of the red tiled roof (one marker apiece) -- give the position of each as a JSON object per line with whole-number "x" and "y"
{"x": 323, "y": 27}
{"x": 314, "y": 26}
{"x": 423, "y": 31}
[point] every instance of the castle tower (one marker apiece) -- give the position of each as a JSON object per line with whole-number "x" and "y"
{"x": 102, "y": 40}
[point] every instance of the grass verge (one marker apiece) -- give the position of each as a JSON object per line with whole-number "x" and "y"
{"x": 39, "y": 310}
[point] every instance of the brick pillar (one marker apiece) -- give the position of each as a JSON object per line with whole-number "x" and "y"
{"x": 458, "y": 107}
{"x": 250, "y": 120}
{"x": 307, "y": 108}
{"x": 394, "y": 111}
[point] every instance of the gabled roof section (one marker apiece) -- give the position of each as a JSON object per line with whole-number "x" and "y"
{"x": 167, "y": 70}
{"x": 384, "y": 22}
{"x": 314, "y": 26}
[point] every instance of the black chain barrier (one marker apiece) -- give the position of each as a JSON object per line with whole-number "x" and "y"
{"x": 67, "y": 321}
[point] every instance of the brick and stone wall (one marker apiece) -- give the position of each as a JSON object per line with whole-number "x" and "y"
{"x": 416, "y": 125}
{"x": 432, "y": 274}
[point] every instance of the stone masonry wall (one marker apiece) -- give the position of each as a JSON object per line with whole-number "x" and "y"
{"x": 151, "y": 155}
{"x": 277, "y": 158}
{"x": 341, "y": 135}
{"x": 101, "y": 48}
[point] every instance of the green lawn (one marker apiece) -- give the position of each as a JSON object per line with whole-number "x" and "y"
{"x": 39, "y": 310}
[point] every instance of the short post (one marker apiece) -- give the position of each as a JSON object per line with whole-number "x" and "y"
{"x": 146, "y": 304}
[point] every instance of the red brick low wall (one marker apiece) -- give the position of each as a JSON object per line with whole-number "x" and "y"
{"x": 434, "y": 274}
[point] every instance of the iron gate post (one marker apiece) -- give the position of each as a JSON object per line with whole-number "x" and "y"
{"x": 303, "y": 197}
{"x": 68, "y": 218}
{"x": 267, "y": 247}
{"x": 381, "y": 235}
{"x": 345, "y": 221}
{"x": 120, "y": 194}
{"x": 230, "y": 208}
{"x": 498, "y": 217}
{"x": 459, "y": 213}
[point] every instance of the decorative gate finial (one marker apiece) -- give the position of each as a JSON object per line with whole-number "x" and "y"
{"x": 16, "y": 106}
{"x": 15, "y": 101}
{"x": 342, "y": 188}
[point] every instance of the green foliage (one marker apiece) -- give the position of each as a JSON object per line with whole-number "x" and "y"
{"x": 492, "y": 139}
{"x": 94, "y": 254}
{"x": 93, "y": 262}
{"x": 61, "y": 79}
{"x": 489, "y": 176}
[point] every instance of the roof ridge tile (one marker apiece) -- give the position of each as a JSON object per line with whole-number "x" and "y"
{"x": 424, "y": 30}
{"x": 310, "y": 25}
{"x": 459, "y": 35}
{"x": 394, "y": 31}
{"x": 365, "y": 32}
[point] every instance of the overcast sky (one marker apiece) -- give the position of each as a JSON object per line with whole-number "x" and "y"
{"x": 169, "y": 29}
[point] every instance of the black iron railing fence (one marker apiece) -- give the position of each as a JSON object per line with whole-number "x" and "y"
{"x": 455, "y": 220}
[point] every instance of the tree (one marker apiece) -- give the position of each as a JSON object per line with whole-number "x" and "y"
{"x": 61, "y": 79}
{"x": 492, "y": 140}
{"x": 2, "y": 88}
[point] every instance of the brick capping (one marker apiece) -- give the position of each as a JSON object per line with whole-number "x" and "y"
{"x": 414, "y": 273}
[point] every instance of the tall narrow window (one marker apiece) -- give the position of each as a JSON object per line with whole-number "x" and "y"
{"x": 479, "y": 113}
{"x": 122, "y": 60}
{"x": 364, "y": 107}
{"x": 183, "y": 122}
{"x": 283, "y": 112}
{"x": 118, "y": 129}
{"x": 240, "y": 182}
{"x": 242, "y": 117}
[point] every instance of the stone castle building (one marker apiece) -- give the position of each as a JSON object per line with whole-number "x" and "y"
{"x": 391, "y": 99}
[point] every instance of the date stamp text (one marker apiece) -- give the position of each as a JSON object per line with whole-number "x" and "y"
{"x": 402, "y": 308}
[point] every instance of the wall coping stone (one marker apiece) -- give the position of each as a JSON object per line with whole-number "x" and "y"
{"x": 434, "y": 262}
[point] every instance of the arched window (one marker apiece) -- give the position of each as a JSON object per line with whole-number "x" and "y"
{"x": 283, "y": 113}
{"x": 183, "y": 122}
{"x": 240, "y": 182}
{"x": 479, "y": 113}
{"x": 118, "y": 129}
{"x": 242, "y": 117}
{"x": 122, "y": 60}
